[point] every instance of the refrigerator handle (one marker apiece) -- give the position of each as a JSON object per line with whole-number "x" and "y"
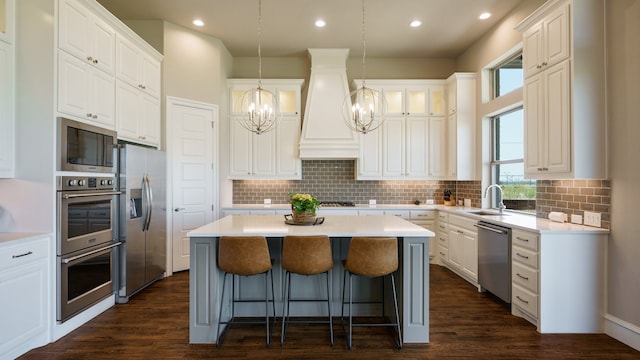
{"x": 149, "y": 202}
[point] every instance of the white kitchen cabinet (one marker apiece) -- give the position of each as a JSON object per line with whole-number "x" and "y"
{"x": 400, "y": 148}
{"x": 461, "y": 127}
{"x": 137, "y": 68}
{"x": 565, "y": 124}
{"x": 557, "y": 280}
{"x": 442, "y": 237}
{"x": 547, "y": 121}
{"x": 463, "y": 248}
{"x": 84, "y": 35}
{"x": 271, "y": 155}
{"x": 138, "y": 115}
{"x": 426, "y": 219}
{"x": 24, "y": 304}
{"x": 85, "y": 91}
{"x": 437, "y": 147}
{"x": 547, "y": 42}
{"x": 7, "y": 110}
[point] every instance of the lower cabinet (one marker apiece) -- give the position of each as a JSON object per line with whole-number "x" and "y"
{"x": 557, "y": 280}
{"x": 462, "y": 247}
{"x": 24, "y": 285}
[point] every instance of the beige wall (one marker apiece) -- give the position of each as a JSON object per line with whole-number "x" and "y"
{"x": 152, "y": 31}
{"x": 623, "y": 92}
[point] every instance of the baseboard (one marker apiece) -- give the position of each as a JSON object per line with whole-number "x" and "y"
{"x": 622, "y": 331}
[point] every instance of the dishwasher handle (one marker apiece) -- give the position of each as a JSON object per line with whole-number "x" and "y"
{"x": 495, "y": 230}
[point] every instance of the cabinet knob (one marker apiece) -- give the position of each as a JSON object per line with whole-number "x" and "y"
{"x": 95, "y": 61}
{"x": 95, "y": 116}
{"x": 544, "y": 63}
{"x": 89, "y": 58}
{"x": 89, "y": 115}
{"x": 538, "y": 66}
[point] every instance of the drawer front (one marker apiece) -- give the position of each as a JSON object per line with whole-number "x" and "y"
{"x": 524, "y": 256}
{"x": 443, "y": 227}
{"x": 463, "y": 222}
{"x": 443, "y": 216}
{"x": 443, "y": 240}
{"x": 443, "y": 253}
{"x": 22, "y": 253}
{"x": 422, "y": 215}
{"x": 525, "y": 300}
{"x": 525, "y": 239}
{"x": 525, "y": 276}
{"x": 403, "y": 214}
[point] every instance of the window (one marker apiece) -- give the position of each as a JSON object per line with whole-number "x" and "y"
{"x": 507, "y": 162}
{"x": 507, "y": 76}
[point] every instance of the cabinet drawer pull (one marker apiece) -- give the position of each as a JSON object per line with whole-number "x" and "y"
{"x": 521, "y": 299}
{"x": 522, "y": 256}
{"x": 441, "y": 253}
{"x": 522, "y": 239}
{"x": 22, "y": 255}
{"x": 522, "y": 277}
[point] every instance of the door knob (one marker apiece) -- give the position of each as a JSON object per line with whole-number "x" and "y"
{"x": 179, "y": 209}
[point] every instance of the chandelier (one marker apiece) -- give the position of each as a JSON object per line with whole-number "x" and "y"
{"x": 259, "y": 107}
{"x": 367, "y": 112}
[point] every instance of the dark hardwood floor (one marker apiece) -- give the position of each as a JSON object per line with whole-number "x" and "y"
{"x": 464, "y": 324}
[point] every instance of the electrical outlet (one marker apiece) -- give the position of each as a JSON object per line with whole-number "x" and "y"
{"x": 267, "y": 201}
{"x": 372, "y": 201}
{"x": 592, "y": 219}
{"x": 576, "y": 219}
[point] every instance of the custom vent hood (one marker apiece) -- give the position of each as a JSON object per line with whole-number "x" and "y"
{"x": 324, "y": 133}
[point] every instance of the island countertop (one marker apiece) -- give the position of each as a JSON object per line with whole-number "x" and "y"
{"x": 333, "y": 226}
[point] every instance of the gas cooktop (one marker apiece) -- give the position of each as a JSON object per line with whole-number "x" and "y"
{"x": 337, "y": 203}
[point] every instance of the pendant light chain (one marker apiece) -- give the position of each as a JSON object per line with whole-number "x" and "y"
{"x": 364, "y": 45}
{"x": 259, "y": 44}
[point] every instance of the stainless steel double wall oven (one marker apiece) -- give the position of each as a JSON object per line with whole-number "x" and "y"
{"x": 87, "y": 217}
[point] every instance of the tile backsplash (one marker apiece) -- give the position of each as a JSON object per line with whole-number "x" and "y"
{"x": 334, "y": 180}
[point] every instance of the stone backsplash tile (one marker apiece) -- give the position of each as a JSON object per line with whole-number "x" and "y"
{"x": 574, "y": 197}
{"x": 334, "y": 180}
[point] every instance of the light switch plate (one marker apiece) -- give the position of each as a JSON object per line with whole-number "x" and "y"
{"x": 592, "y": 219}
{"x": 267, "y": 201}
{"x": 576, "y": 219}
{"x": 372, "y": 201}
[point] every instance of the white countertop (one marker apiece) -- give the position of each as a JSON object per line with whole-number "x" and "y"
{"x": 334, "y": 226}
{"x": 512, "y": 220}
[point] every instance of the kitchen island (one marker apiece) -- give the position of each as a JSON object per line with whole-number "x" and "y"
{"x": 206, "y": 279}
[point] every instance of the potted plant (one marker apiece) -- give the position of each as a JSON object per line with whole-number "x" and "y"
{"x": 303, "y": 207}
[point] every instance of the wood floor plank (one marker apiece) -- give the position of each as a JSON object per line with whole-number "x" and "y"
{"x": 464, "y": 324}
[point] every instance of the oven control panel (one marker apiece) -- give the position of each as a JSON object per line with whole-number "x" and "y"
{"x": 67, "y": 183}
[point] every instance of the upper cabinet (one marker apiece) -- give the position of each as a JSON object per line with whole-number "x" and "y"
{"x": 7, "y": 20}
{"x": 107, "y": 75}
{"x": 565, "y": 124}
{"x": 274, "y": 154}
{"x": 461, "y": 128}
{"x": 547, "y": 42}
{"x": 84, "y": 35}
{"x": 410, "y": 142}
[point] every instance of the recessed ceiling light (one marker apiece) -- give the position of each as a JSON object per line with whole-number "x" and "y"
{"x": 320, "y": 23}
{"x": 484, "y": 16}
{"x": 198, "y": 22}
{"x": 415, "y": 23}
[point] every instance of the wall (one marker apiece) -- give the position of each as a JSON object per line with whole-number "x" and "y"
{"x": 574, "y": 197}
{"x": 27, "y": 203}
{"x": 623, "y": 92}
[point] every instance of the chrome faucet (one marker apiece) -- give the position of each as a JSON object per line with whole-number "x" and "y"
{"x": 501, "y": 206}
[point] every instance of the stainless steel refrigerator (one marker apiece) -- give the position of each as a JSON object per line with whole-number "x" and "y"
{"x": 142, "y": 218}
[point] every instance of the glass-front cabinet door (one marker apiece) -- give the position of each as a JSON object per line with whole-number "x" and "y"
{"x": 7, "y": 12}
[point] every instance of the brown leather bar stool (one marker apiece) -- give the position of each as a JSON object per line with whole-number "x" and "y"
{"x": 305, "y": 255}
{"x": 371, "y": 257}
{"x": 245, "y": 256}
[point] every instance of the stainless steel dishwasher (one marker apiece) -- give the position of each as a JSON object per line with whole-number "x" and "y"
{"x": 494, "y": 259}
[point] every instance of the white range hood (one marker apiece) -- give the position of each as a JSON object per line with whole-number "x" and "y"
{"x": 324, "y": 132}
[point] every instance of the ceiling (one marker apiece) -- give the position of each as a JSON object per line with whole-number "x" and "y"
{"x": 449, "y": 26}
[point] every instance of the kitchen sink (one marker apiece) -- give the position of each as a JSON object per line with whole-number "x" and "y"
{"x": 486, "y": 212}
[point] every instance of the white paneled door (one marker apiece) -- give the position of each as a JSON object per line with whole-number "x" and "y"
{"x": 193, "y": 156}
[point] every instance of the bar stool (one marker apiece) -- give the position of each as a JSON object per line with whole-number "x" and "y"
{"x": 305, "y": 255}
{"x": 244, "y": 256}
{"x": 371, "y": 257}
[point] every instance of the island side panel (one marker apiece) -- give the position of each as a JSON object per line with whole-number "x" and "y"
{"x": 203, "y": 302}
{"x": 415, "y": 290}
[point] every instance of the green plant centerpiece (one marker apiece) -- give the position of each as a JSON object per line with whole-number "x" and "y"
{"x": 303, "y": 207}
